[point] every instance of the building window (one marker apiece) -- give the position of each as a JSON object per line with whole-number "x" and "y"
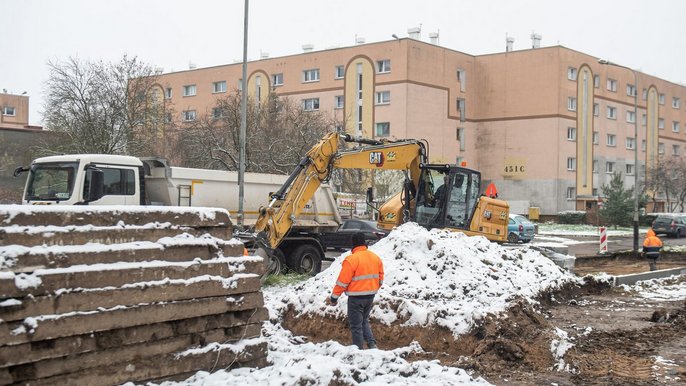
{"x": 661, "y": 148}
{"x": 596, "y": 138}
{"x": 383, "y": 66}
{"x": 311, "y": 104}
{"x": 383, "y": 97}
{"x": 609, "y": 167}
{"x": 571, "y": 104}
{"x": 9, "y": 111}
{"x": 571, "y": 133}
{"x": 168, "y": 93}
{"x": 661, "y": 99}
{"x": 630, "y": 116}
{"x": 277, "y": 79}
{"x": 462, "y": 79}
{"x": 461, "y": 107}
{"x": 189, "y": 115}
{"x": 339, "y": 72}
{"x": 643, "y": 145}
{"x": 612, "y": 85}
{"x": 595, "y": 192}
{"x": 644, "y": 120}
{"x": 596, "y": 109}
{"x": 645, "y": 94}
{"x": 611, "y": 112}
{"x": 630, "y": 143}
{"x": 339, "y": 101}
{"x": 596, "y": 81}
{"x": 189, "y": 90}
{"x": 460, "y": 138}
{"x": 218, "y": 112}
{"x": 629, "y": 169}
{"x": 219, "y": 86}
{"x": 675, "y": 126}
{"x": 167, "y": 118}
{"x": 611, "y": 140}
{"x": 571, "y": 163}
{"x": 630, "y": 89}
{"x": 571, "y": 193}
{"x": 595, "y": 166}
{"x": 675, "y": 103}
{"x": 571, "y": 73}
{"x": 383, "y": 129}
{"x": 675, "y": 149}
{"x": 311, "y": 75}
{"x": 660, "y": 123}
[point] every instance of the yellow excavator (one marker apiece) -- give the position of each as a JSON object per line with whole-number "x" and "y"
{"x": 433, "y": 195}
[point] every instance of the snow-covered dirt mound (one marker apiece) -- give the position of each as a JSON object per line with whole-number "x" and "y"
{"x": 434, "y": 278}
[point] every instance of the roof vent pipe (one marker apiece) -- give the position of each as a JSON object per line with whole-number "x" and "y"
{"x": 433, "y": 38}
{"x": 509, "y": 43}
{"x": 536, "y": 40}
{"x": 415, "y": 33}
{"x": 308, "y": 47}
{"x": 359, "y": 39}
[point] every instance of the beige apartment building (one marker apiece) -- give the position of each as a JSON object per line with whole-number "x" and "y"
{"x": 548, "y": 126}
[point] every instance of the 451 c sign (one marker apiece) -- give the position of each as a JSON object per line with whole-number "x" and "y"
{"x": 515, "y": 167}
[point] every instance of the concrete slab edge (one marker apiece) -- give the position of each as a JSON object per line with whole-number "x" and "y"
{"x": 636, "y": 277}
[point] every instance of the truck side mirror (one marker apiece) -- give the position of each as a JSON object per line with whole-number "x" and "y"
{"x": 18, "y": 171}
{"x": 370, "y": 195}
{"x": 96, "y": 186}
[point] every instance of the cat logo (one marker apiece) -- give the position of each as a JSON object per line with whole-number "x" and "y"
{"x": 391, "y": 156}
{"x": 487, "y": 214}
{"x": 389, "y": 217}
{"x": 376, "y": 158}
{"x": 503, "y": 215}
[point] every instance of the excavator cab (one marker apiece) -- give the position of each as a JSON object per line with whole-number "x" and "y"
{"x": 447, "y": 196}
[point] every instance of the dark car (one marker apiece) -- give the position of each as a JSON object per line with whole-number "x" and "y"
{"x": 673, "y": 225}
{"x": 343, "y": 237}
{"x": 519, "y": 229}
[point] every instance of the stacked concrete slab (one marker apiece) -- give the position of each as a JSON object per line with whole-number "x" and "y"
{"x": 110, "y": 295}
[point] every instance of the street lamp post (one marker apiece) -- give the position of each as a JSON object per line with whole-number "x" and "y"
{"x": 607, "y": 62}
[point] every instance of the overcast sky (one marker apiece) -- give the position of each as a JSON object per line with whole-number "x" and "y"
{"x": 646, "y": 35}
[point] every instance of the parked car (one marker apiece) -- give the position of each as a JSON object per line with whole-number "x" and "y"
{"x": 673, "y": 225}
{"x": 519, "y": 229}
{"x": 343, "y": 237}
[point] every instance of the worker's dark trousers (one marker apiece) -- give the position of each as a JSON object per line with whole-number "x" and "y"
{"x": 359, "y": 308}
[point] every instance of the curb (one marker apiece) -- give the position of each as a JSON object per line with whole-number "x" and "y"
{"x": 636, "y": 277}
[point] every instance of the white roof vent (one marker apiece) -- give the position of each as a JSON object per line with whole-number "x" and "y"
{"x": 415, "y": 33}
{"x": 509, "y": 43}
{"x": 433, "y": 38}
{"x": 264, "y": 55}
{"x": 192, "y": 66}
{"x": 536, "y": 40}
{"x": 159, "y": 70}
{"x": 308, "y": 47}
{"x": 359, "y": 39}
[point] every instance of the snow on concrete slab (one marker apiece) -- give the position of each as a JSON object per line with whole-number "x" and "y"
{"x": 436, "y": 278}
{"x": 665, "y": 289}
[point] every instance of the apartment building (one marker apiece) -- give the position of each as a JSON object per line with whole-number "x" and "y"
{"x": 14, "y": 111}
{"x": 548, "y": 125}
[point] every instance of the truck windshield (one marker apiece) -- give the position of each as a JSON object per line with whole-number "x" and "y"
{"x": 51, "y": 181}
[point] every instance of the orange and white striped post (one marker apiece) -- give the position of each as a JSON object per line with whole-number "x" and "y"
{"x": 603, "y": 239}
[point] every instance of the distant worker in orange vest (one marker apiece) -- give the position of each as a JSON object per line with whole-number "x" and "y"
{"x": 491, "y": 191}
{"x": 651, "y": 247}
{"x": 360, "y": 278}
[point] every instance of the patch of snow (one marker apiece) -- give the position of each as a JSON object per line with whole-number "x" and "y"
{"x": 434, "y": 277}
{"x": 10, "y": 303}
{"x": 559, "y": 347}
{"x": 670, "y": 289}
{"x": 25, "y": 281}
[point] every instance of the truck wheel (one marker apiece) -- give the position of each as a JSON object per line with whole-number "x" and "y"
{"x": 305, "y": 259}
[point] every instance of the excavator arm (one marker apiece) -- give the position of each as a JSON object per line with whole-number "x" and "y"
{"x": 276, "y": 219}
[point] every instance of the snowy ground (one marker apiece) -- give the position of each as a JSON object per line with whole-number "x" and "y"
{"x": 433, "y": 278}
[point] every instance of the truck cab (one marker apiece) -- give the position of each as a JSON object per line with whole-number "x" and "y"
{"x": 96, "y": 179}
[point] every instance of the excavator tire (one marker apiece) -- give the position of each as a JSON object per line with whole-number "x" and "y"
{"x": 305, "y": 259}
{"x": 276, "y": 263}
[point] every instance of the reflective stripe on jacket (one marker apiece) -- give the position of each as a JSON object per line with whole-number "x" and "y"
{"x": 361, "y": 274}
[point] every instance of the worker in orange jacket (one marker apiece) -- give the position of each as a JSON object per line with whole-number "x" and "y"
{"x": 360, "y": 278}
{"x": 651, "y": 247}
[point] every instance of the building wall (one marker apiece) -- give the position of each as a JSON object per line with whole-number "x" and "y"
{"x": 20, "y": 104}
{"x": 513, "y": 110}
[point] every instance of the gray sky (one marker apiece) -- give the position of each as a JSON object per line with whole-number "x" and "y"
{"x": 646, "y": 35}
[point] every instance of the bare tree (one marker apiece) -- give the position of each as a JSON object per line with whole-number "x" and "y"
{"x": 98, "y": 107}
{"x": 668, "y": 179}
{"x": 278, "y": 134}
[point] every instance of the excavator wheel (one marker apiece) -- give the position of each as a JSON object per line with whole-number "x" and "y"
{"x": 276, "y": 262}
{"x": 305, "y": 259}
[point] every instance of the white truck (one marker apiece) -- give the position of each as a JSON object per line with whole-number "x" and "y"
{"x": 98, "y": 179}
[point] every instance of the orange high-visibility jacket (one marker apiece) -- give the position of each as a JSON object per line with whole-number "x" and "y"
{"x": 362, "y": 274}
{"x": 652, "y": 240}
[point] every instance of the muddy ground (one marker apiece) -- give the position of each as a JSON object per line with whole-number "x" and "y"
{"x": 618, "y": 337}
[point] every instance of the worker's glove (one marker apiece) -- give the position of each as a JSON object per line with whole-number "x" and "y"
{"x": 331, "y": 301}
